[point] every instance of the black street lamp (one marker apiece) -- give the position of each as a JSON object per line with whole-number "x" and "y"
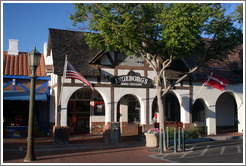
{"x": 34, "y": 57}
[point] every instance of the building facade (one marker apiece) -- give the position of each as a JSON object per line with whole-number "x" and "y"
{"x": 16, "y": 93}
{"x": 125, "y": 90}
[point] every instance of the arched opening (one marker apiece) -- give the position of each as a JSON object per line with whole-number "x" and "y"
{"x": 226, "y": 114}
{"x": 82, "y": 106}
{"x": 171, "y": 107}
{"x": 129, "y": 114}
{"x": 198, "y": 111}
{"x": 129, "y": 109}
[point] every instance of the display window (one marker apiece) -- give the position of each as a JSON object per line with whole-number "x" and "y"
{"x": 99, "y": 108}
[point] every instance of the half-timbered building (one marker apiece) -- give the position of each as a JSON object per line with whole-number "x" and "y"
{"x": 125, "y": 90}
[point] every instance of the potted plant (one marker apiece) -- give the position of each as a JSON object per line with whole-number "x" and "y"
{"x": 152, "y": 137}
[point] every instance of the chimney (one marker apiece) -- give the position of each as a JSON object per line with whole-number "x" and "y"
{"x": 13, "y": 47}
{"x": 45, "y": 49}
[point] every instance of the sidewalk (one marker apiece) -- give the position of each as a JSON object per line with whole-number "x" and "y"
{"x": 81, "y": 149}
{"x": 90, "y": 149}
{"x": 226, "y": 136}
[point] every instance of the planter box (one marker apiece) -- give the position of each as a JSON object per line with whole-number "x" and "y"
{"x": 152, "y": 140}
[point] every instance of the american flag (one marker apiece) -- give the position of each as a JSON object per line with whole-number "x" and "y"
{"x": 72, "y": 73}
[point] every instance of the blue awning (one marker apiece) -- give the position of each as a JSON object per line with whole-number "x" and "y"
{"x": 17, "y": 95}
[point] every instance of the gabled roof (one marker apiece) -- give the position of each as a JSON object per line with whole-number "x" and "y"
{"x": 231, "y": 68}
{"x": 72, "y": 44}
{"x": 96, "y": 57}
{"x": 18, "y": 65}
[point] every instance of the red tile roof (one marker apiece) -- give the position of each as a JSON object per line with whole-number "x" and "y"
{"x": 19, "y": 65}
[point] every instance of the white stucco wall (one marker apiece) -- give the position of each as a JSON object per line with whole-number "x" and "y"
{"x": 151, "y": 75}
{"x": 123, "y": 72}
{"x": 183, "y": 97}
{"x": 106, "y": 95}
{"x": 109, "y": 73}
{"x": 140, "y": 93}
{"x": 123, "y": 110}
{"x": 48, "y": 59}
{"x": 210, "y": 96}
{"x": 67, "y": 93}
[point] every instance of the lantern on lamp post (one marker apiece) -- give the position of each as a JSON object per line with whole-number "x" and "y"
{"x": 34, "y": 57}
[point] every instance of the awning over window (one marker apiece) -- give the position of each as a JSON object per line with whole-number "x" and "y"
{"x": 16, "y": 95}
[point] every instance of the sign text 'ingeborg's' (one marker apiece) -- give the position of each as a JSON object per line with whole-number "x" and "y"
{"x": 127, "y": 80}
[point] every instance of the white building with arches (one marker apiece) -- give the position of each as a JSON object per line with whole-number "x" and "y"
{"x": 125, "y": 91}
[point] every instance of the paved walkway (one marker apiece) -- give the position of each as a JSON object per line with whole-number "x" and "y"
{"x": 86, "y": 149}
{"x": 80, "y": 150}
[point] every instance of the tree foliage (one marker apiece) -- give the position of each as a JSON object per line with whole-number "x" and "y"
{"x": 238, "y": 14}
{"x": 160, "y": 33}
{"x": 159, "y": 29}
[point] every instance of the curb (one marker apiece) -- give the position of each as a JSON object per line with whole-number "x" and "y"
{"x": 221, "y": 138}
{"x": 195, "y": 140}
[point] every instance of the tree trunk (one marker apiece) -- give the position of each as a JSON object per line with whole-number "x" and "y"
{"x": 161, "y": 112}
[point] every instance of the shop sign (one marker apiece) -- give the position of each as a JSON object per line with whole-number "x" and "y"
{"x": 128, "y": 80}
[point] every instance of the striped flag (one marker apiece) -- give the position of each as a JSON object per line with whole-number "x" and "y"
{"x": 216, "y": 81}
{"x": 72, "y": 73}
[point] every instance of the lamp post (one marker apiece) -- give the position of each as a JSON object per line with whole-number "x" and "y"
{"x": 34, "y": 57}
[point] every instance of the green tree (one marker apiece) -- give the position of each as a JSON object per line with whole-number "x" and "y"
{"x": 238, "y": 14}
{"x": 160, "y": 33}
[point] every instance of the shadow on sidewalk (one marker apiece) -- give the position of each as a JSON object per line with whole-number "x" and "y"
{"x": 88, "y": 146}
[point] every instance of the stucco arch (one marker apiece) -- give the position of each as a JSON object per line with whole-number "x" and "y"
{"x": 202, "y": 124}
{"x": 199, "y": 109}
{"x": 232, "y": 113}
{"x": 171, "y": 92}
{"x": 124, "y": 94}
{"x": 131, "y": 94}
{"x": 140, "y": 95}
{"x": 238, "y": 100}
{"x": 123, "y": 106}
{"x": 67, "y": 92}
{"x": 176, "y": 95}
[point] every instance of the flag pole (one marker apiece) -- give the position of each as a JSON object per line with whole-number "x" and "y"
{"x": 198, "y": 93}
{"x": 205, "y": 83}
{"x": 63, "y": 76}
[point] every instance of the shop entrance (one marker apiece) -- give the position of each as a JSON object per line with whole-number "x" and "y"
{"x": 79, "y": 110}
{"x": 128, "y": 109}
{"x": 129, "y": 114}
{"x": 199, "y": 111}
{"x": 171, "y": 108}
{"x": 226, "y": 114}
{"x": 78, "y": 116}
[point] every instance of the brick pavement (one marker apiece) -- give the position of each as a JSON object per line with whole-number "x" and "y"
{"x": 92, "y": 150}
{"x": 83, "y": 149}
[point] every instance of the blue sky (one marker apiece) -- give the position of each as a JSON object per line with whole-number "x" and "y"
{"x": 29, "y": 22}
